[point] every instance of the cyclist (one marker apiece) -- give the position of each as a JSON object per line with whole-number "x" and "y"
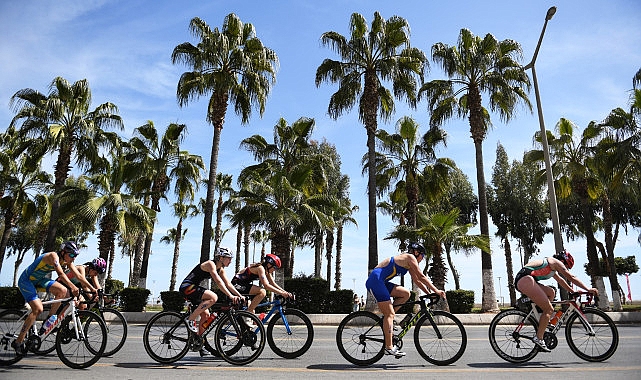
{"x": 527, "y": 282}
{"x": 190, "y": 287}
{"x": 378, "y": 283}
{"x": 89, "y": 271}
{"x": 35, "y": 278}
{"x": 243, "y": 280}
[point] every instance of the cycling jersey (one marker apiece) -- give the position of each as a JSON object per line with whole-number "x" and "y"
{"x": 72, "y": 277}
{"x": 539, "y": 272}
{"x": 244, "y": 277}
{"x": 379, "y": 283}
{"x": 190, "y": 287}
{"x": 35, "y": 278}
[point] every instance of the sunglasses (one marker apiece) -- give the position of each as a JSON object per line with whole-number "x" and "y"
{"x": 72, "y": 255}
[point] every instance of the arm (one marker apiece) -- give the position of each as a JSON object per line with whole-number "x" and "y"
{"x": 268, "y": 282}
{"x": 80, "y": 275}
{"x": 421, "y": 280}
{"x": 561, "y": 270}
{"x": 52, "y": 258}
{"x": 228, "y": 284}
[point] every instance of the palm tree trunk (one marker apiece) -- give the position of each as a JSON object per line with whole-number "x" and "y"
{"x": 339, "y": 257}
{"x": 246, "y": 242}
{"x": 239, "y": 243}
{"x": 329, "y": 243}
{"x": 609, "y": 247}
{"x": 174, "y": 263}
{"x": 211, "y": 193}
{"x": 510, "y": 271}
{"x": 455, "y": 274}
{"x": 318, "y": 252}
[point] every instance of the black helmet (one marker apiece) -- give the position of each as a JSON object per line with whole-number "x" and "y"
{"x": 414, "y": 246}
{"x": 71, "y": 248}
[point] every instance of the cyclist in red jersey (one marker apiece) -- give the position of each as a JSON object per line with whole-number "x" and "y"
{"x": 243, "y": 280}
{"x": 527, "y": 282}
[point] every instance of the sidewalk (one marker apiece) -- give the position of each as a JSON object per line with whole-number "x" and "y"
{"x": 466, "y": 319}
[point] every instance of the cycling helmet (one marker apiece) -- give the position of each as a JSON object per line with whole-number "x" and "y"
{"x": 566, "y": 257}
{"x": 272, "y": 259}
{"x": 71, "y": 248}
{"x": 414, "y": 246}
{"x": 99, "y": 265}
{"x": 223, "y": 252}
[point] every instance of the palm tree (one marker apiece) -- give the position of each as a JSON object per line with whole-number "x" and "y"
{"x": 156, "y": 156}
{"x": 476, "y": 66}
{"x": 223, "y": 187}
{"x": 234, "y": 66}
{"x": 370, "y": 57}
{"x": 65, "y": 123}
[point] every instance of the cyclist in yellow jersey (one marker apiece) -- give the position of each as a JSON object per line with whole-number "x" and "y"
{"x": 383, "y": 290}
{"x": 35, "y": 278}
{"x": 527, "y": 282}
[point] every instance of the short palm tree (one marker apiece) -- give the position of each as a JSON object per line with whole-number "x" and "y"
{"x": 369, "y": 58}
{"x": 477, "y": 66}
{"x": 233, "y": 66}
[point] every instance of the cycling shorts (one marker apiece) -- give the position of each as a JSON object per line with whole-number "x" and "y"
{"x": 380, "y": 289}
{"x": 192, "y": 292}
{"x": 29, "y": 289}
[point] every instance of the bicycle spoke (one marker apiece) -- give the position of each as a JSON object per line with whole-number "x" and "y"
{"x": 594, "y": 342}
{"x": 360, "y": 338}
{"x": 291, "y": 340}
{"x": 166, "y": 337}
{"x": 442, "y": 343}
{"x": 81, "y": 346}
{"x": 511, "y": 336}
{"x": 10, "y": 325}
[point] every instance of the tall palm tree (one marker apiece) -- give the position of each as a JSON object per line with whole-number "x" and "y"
{"x": 475, "y": 67}
{"x": 156, "y": 156}
{"x": 66, "y": 124}
{"x": 369, "y": 58}
{"x": 223, "y": 187}
{"x": 232, "y": 65}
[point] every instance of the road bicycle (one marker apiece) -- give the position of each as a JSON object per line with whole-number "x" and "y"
{"x": 590, "y": 333}
{"x": 167, "y": 338}
{"x": 80, "y": 335}
{"x": 439, "y": 336}
{"x": 115, "y": 323}
{"x": 290, "y": 332}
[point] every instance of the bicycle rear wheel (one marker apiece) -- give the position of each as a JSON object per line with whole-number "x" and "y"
{"x": 166, "y": 337}
{"x": 241, "y": 342}
{"x": 360, "y": 338}
{"x": 116, "y": 330}
{"x": 592, "y": 347}
{"x": 295, "y": 342}
{"x": 10, "y": 325}
{"x": 81, "y": 352}
{"x": 442, "y": 343}
{"x": 511, "y": 336}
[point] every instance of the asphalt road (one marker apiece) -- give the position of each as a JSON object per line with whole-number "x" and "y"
{"x": 324, "y": 361}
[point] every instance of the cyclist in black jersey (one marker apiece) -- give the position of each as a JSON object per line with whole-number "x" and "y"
{"x": 190, "y": 287}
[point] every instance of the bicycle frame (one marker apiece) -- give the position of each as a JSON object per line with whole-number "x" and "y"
{"x": 574, "y": 306}
{"x": 276, "y": 307}
{"x": 425, "y": 310}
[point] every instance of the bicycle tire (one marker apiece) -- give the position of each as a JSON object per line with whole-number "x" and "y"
{"x": 510, "y": 344}
{"x": 81, "y": 353}
{"x": 592, "y": 348}
{"x": 116, "y": 325}
{"x": 360, "y": 338}
{"x": 290, "y": 345}
{"x": 166, "y": 337}
{"x": 10, "y": 325}
{"x": 240, "y": 343}
{"x": 447, "y": 348}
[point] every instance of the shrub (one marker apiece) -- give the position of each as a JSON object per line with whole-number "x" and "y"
{"x": 11, "y": 298}
{"x": 339, "y": 301}
{"x": 113, "y": 286}
{"x": 134, "y": 299}
{"x": 460, "y": 301}
{"x": 172, "y": 301}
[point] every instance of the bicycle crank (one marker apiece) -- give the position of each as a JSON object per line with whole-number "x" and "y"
{"x": 550, "y": 340}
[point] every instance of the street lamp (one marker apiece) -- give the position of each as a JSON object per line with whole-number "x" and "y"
{"x": 554, "y": 213}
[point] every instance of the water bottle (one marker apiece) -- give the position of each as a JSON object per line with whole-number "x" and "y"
{"x": 262, "y": 316}
{"x": 405, "y": 321}
{"x": 209, "y": 320}
{"x": 556, "y": 317}
{"x": 48, "y": 324}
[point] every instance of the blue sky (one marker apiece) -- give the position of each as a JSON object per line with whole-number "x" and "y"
{"x": 585, "y": 66}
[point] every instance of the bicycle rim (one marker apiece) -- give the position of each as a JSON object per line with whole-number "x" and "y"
{"x": 510, "y": 343}
{"x": 360, "y": 338}
{"x": 246, "y": 337}
{"x": 295, "y": 342}
{"x": 166, "y": 337}
{"x": 116, "y": 330}
{"x": 10, "y": 326}
{"x": 592, "y": 347}
{"x": 84, "y": 352}
{"x": 442, "y": 344}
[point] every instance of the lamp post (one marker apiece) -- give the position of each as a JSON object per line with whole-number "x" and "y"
{"x": 554, "y": 213}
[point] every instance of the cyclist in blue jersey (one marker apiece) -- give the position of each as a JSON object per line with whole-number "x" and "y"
{"x": 527, "y": 282}
{"x": 190, "y": 287}
{"x": 35, "y": 278}
{"x": 383, "y": 290}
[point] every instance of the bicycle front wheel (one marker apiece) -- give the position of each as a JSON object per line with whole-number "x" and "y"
{"x": 360, "y": 338}
{"x": 10, "y": 325}
{"x": 290, "y": 335}
{"x": 596, "y": 344}
{"x": 441, "y": 342}
{"x": 511, "y": 336}
{"x": 116, "y": 330}
{"x": 166, "y": 337}
{"x": 82, "y": 348}
{"x": 240, "y": 341}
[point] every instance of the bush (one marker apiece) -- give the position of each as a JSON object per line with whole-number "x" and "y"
{"x": 172, "y": 301}
{"x": 460, "y": 301}
{"x": 113, "y": 286}
{"x": 11, "y": 298}
{"x": 311, "y": 294}
{"x": 134, "y": 299}
{"x": 339, "y": 302}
